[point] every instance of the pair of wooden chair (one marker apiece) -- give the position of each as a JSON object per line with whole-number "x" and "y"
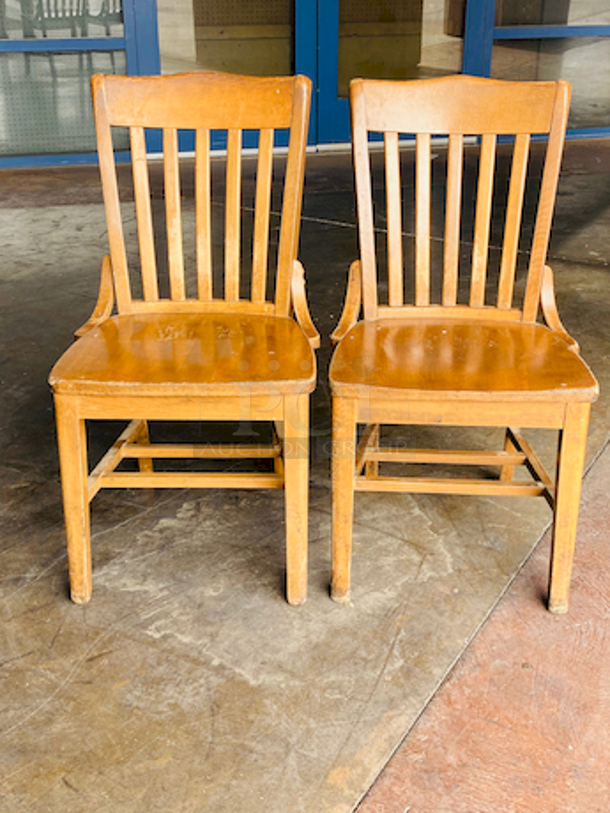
{"x": 235, "y": 341}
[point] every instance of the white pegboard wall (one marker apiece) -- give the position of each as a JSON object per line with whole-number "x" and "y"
{"x": 379, "y": 11}
{"x": 243, "y": 12}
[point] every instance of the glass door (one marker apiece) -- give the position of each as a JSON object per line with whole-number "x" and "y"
{"x": 48, "y": 51}
{"x": 550, "y": 39}
{"x": 237, "y": 36}
{"x": 381, "y": 39}
{"x": 251, "y": 37}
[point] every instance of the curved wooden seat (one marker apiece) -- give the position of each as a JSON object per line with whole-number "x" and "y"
{"x": 424, "y": 359}
{"x": 211, "y": 354}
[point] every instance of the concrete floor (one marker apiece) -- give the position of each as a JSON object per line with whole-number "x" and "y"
{"x": 188, "y": 684}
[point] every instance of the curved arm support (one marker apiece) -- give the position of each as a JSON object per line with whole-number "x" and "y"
{"x": 549, "y": 308}
{"x": 353, "y": 302}
{"x": 105, "y": 300}
{"x": 301, "y": 309}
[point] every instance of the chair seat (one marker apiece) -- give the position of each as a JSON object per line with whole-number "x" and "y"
{"x": 188, "y": 354}
{"x": 428, "y": 359}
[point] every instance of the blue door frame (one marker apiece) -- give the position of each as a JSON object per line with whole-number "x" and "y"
{"x": 481, "y": 33}
{"x": 316, "y": 55}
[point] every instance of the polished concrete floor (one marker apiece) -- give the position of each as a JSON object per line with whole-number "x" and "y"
{"x": 188, "y": 684}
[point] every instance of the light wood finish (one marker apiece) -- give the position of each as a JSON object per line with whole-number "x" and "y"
{"x": 426, "y": 358}
{"x": 481, "y": 362}
{"x": 260, "y": 251}
{"x": 203, "y": 204}
{"x": 480, "y": 249}
{"x": 569, "y": 481}
{"x": 105, "y": 300}
{"x": 352, "y": 305}
{"x": 224, "y": 355}
{"x": 514, "y": 211}
{"x": 343, "y": 458}
{"x": 455, "y": 161}
{"x": 144, "y": 213}
{"x": 422, "y": 220}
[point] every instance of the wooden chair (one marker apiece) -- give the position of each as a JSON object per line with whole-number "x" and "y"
{"x": 232, "y": 352}
{"x": 465, "y": 350}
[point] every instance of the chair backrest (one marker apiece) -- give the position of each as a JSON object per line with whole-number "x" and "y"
{"x": 59, "y": 14}
{"x": 204, "y": 102}
{"x": 455, "y": 107}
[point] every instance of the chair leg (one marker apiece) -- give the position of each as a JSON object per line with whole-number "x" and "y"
{"x": 278, "y": 436}
{"x": 72, "y": 444}
{"x": 343, "y": 461}
{"x": 572, "y": 448}
{"x": 371, "y": 468}
{"x": 507, "y": 472}
{"x": 296, "y": 486}
{"x": 145, "y": 464}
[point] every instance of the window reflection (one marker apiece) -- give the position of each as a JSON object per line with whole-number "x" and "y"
{"x": 398, "y": 39}
{"x": 45, "y": 106}
{"x": 237, "y": 36}
{"x": 59, "y": 19}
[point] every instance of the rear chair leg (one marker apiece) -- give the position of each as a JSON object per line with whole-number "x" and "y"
{"x": 142, "y": 436}
{"x": 343, "y": 462}
{"x": 507, "y": 472}
{"x": 572, "y": 446}
{"x": 296, "y": 485}
{"x": 72, "y": 444}
{"x": 371, "y": 467}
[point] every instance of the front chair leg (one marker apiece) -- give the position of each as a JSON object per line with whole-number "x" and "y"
{"x": 296, "y": 486}
{"x": 343, "y": 461}
{"x": 570, "y": 465}
{"x": 72, "y": 444}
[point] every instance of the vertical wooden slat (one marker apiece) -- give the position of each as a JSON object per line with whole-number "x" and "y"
{"x": 423, "y": 179}
{"x": 260, "y": 251}
{"x": 173, "y": 214}
{"x": 203, "y": 214}
{"x": 512, "y": 223}
{"x": 146, "y": 238}
{"x": 480, "y": 248}
{"x": 453, "y": 208}
{"x": 394, "y": 219}
{"x": 233, "y": 216}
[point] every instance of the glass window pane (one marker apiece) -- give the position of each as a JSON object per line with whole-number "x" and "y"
{"x": 583, "y": 61}
{"x": 552, "y": 12}
{"x": 38, "y": 19}
{"x": 46, "y": 104}
{"x": 398, "y": 39}
{"x": 253, "y": 37}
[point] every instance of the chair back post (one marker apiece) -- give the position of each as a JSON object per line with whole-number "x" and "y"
{"x": 546, "y": 204}
{"x": 293, "y": 193}
{"x": 110, "y": 192}
{"x": 364, "y": 198}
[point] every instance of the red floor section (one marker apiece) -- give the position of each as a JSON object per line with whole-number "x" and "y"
{"x": 523, "y": 722}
